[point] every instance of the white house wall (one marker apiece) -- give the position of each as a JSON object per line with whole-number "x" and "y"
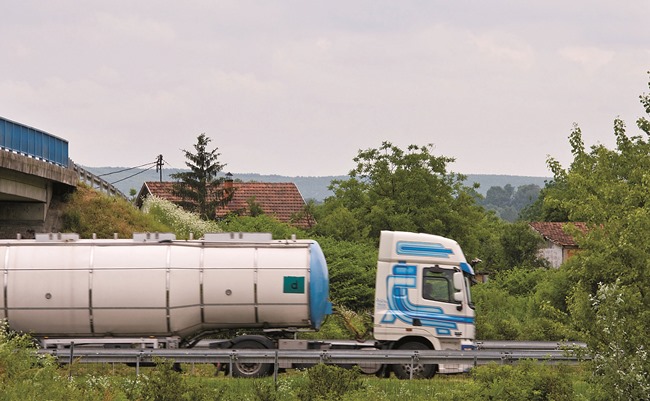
{"x": 552, "y": 253}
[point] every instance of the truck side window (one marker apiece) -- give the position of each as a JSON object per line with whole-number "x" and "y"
{"x": 437, "y": 285}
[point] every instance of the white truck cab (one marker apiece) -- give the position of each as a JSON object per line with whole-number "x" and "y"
{"x": 423, "y": 299}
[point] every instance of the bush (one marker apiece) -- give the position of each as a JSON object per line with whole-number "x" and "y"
{"x": 619, "y": 344}
{"x": 261, "y": 224}
{"x": 524, "y": 304}
{"x": 526, "y": 381}
{"x": 352, "y": 270}
{"x": 89, "y": 212}
{"x": 326, "y": 382}
{"x": 26, "y": 376}
{"x": 181, "y": 221}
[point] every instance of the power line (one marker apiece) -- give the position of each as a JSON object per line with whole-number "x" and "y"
{"x": 127, "y": 169}
{"x": 133, "y": 175}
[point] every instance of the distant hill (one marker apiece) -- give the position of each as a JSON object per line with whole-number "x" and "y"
{"x": 310, "y": 187}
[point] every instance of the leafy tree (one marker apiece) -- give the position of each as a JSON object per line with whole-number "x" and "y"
{"x": 393, "y": 189}
{"x": 610, "y": 190}
{"x": 524, "y": 304}
{"x": 540, "y": 210}
{"x": 352, "y": 271}
{"x": 254, "y": 207}
{"x": 507, "y": 202}
{"x": 621, "y": 359}
{"x": 200, "y": 189}
{"x": 306, "y": 214}
{"x": 520, "y": 246}
{"x": 341, "y": 224}
{"x": 499, "y": 196}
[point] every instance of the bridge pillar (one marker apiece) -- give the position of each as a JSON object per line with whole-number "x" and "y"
{"x": 27, "y": 189}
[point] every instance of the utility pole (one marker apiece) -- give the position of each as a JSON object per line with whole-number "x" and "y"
{"x": 159, "y": 165}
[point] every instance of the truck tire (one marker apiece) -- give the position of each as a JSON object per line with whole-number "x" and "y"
{"x": 420, "y": 371}
{"x": 248, "y": 369}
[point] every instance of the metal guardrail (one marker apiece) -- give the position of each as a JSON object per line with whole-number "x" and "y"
{"x": 96, "y": 182}
{"x": 306, "y": 357}
{"x": 527, "y": 345}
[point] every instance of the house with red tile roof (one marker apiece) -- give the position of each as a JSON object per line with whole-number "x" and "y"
{"x": 560, "y": 246}
{"x": 280, "y": 200}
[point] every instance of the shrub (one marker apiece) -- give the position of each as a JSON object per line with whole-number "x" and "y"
{"x": 261, "y": 224}
{"x": 181, "y": 221}
{"x": 526, "y": 381}
{"x": 524, "y": 304}
{"x": 89, "y": 212}
{"x": 326, "y": 382}
{"x": 618, "y": 341}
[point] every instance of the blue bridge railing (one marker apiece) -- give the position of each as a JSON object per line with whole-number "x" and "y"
{"x": 33, "y": 142}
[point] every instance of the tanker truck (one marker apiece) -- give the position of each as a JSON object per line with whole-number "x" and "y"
{"x": 156, "y": 291}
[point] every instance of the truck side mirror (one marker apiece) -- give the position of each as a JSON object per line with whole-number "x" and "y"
{"x": 459, "y": 281}
{"x": 459, "y": 285}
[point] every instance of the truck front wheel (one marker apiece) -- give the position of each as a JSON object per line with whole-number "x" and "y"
{"x": 420, "y": 371}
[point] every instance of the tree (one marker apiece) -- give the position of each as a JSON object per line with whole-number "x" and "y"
{"x": 509, "y": 203}
{"x": 254, "y": 207}
{"x": 306, "y": 214}
{"x": 200, "y": 189}
{"x": 393, "y": 189}
{"x": 610, "y": 190}
{"x": 520, "y": 245}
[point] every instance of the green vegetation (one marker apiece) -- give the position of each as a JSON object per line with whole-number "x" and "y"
{"x": 180, "y": 221}
{"x": 393, "y": 189}
{"x": 199, "y": 188}
{"x": 25, "y": 376}
{"x": 509, "y": 202}
{"x": 89, "y": 212}
{"x": 600, "y": 296}
{"x": 525, "y": 304}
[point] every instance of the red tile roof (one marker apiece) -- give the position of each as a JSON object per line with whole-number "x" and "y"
{"x": 281, "y": 200}
{"x": 555, "y": 233}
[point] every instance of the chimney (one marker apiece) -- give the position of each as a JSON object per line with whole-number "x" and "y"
{"x": 227, "y": 183}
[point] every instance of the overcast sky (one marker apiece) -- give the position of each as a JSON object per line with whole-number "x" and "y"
{"x": 298, "y": 87}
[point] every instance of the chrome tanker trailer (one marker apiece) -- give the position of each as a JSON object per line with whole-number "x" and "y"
{"x": 157, "y": 291}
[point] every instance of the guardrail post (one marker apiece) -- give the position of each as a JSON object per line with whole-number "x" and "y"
{"x": 275, "y": 370}
{"x": 71, "y": 359}
{"x": 233, "y": 356}
{"x": 324, "y": 357}
{"x": 137, "y": 365}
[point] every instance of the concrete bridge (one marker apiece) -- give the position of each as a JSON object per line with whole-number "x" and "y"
{"x": 35, "y": 173}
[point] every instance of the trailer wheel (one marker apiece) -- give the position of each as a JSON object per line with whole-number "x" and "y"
{"x": 247, "y": 369}
{"x": 420, "y": 371}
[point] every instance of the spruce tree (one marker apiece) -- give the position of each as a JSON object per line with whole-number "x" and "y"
{"x": 200, "y": 188}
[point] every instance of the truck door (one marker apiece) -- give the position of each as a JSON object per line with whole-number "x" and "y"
{"x": 439, "y": 308}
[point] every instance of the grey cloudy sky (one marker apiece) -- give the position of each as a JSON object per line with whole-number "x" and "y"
{"x": 298, "y": 87}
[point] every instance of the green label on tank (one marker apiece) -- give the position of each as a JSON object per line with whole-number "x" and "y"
{"x": 294, "y": 285}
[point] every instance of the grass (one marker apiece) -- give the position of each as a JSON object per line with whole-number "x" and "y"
{"x": 89, "y": 212}
{"x": 199, "y": 380}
